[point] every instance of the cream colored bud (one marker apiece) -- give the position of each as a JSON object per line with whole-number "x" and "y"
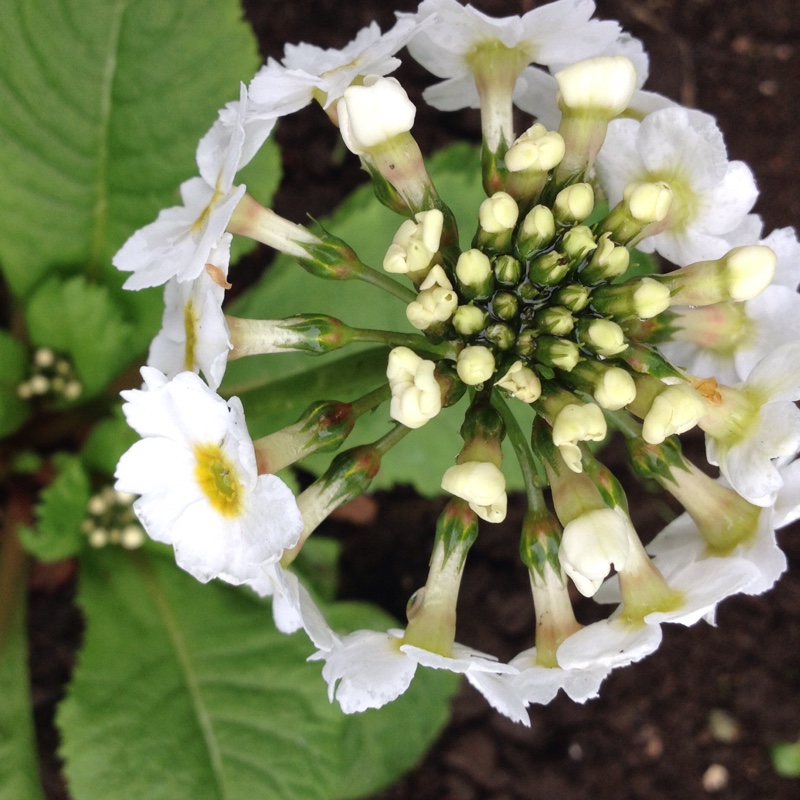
{"x": 521, "y": 382}
{"x": 44, "y": 357}
{"x": 415, "y": 243}
{"x": 436, "y": 301}
{"x": 97, "y": 505}
{"x": 574, "y": 203}
{"x": 539, "y": 225}
{"x": 577, "y": 423}
{"x": 615, "y": 389}
{"x": 475, "y": 365}
{"x": 469, "y": 320}
{"x": 603, "y": 85}
{"x": 373, "y": 113}
{"x": 650, "y": 298}
{"x": 591, "y": 544}
{"x": 537, "y": 149}
{"x": 498, "y": 213}
{"x": 606, "y": 337}
{"x": 648, "y": 202}
{"x": 578, "y": 242}
{"x": 750, "y": 270}
{"x": 39, "y": 385}
{"x": 131, "y": 537}
{"x": 676, "y": 410}
{"x": 473, "y": 268}
{"x": 416, "y": 396}
{"x": 564, "y": 354}
{"x": 609, "y": 258}
{"x": 482, "y": 484}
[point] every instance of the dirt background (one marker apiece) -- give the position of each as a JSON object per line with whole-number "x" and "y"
{"x": 697, "y": 718}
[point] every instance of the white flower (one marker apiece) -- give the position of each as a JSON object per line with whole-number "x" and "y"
{"x": 538, "y": 684}
{"x": 194, "y": 336}
{"x": 727, "y": 340}
{"x": 554, "y": 33}
{"x": 684, "y": 149}
{"x": 370, "y": 53}
{"x": 755, "y": 422}
{"x": 368, "y": 669}
{"x": 180, "y": 241}
{"x": 292, "y": 606}
{"x": 195, "y": 469}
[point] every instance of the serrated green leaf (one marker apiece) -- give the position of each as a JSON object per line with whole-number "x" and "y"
{"x": 83, "y": 321}
{"x": 19, "y": 768}
{"x": 59, "y": 513}
{"x": 109, "y": 439}
{"x": 267, "y": 382}
{"x": 102, "y": 103}
{"x": 186, "y": 692}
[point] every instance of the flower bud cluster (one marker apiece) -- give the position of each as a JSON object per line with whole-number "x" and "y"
{"x": 52, "y": 376}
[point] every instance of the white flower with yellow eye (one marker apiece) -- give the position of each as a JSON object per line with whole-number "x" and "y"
{"x": 195, "y": 472}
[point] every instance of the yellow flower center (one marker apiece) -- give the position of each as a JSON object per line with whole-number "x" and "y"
{"x": 218, "y": 479}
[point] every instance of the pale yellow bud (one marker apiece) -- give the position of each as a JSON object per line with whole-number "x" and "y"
{"x": 498, "y": 213}
{"x": 577, "y": 423}
{"x": 615, "y": 389}
{"x": 475, "y": 365}
{"x": 416, "y": 396}
{"x": 675, "y": 410}
{"x": 482, "y": 484}
{"x": 648, "y": 202}
{"x": 574, "y": 203}
{"x": 521, "y": 382}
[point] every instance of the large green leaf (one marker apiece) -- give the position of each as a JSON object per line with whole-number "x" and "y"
{"x": 19, "y": 773}
{"x": 186, "y": 692}
{"x": 102, "y": 103}
{"x": 275, "y": 389}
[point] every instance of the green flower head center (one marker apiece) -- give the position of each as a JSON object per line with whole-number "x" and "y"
{"x": 492, "y": 63}
{"x": 218, "y": 478}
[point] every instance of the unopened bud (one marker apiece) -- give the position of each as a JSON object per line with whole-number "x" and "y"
{"x": 574, "y": 203}
{"x": 505, "y": 305}
{"x": 501, "y": 335}
{"x": 603, "y": 336}
{"x": 536, "y": 232}
{"x": 643, "y": 298}
{"x": 474, "y": 273}
{"x": 608, "y": 261}
{"x": 521, "y": 382}
{"x": 538, "y": 150}
{"x": 415, "y": 243}
{"x": 577, "y": 423}
{"x": 578, "y": 242}
{"x": 575, "y": 297}
{"x": 560, "y": 353}
{"x": 469, "y": 320}
{"x": 591, "y": 544}
{"x": 416, "y": 397}
{"x": 602, "y": 85}
{"x": 615, "y": 389}
{"x": 475, "y": 365}
{"x": 675, "y": 410}
{"x": 482, "y": 484}
{"x": 648, "y": 202}
{"x": 549, "y": 268}
{"x": 436, "y": 302}
{"x": 507, "y": 270}
{"x": 498, "y": 213}
{"x": 555, "y": 320}
{"x": 741, "y": 274}
{"x": 373, "y": 113}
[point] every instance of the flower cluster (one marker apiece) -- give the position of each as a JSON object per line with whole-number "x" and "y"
{"x": 546, "y": 314}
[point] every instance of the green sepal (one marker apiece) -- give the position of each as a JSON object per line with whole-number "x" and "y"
{"x": 604, "y": 479}
{"x": 322, "y": 334}
{"x": 456, "y": 530}
{"x": 539, "y": 543}
{"x": 656, "y": 461}
{"x": 61, "y": 509}
{"x": 331, "y": 259}
{"x": 386, "y": 194}
{"x": 648, "y": 361}
{"x": 494, "y": 172}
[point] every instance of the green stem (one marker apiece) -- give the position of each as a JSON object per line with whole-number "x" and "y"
{"x": 524, "y": 454}
{"x": 410, "y": 340}
{"x": 371, "y": 276}
{"x": 624, "y": 423}
{"x": 371, "y": 400}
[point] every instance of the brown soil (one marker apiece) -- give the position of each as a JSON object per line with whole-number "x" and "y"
{"x": 655, "y": 732}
